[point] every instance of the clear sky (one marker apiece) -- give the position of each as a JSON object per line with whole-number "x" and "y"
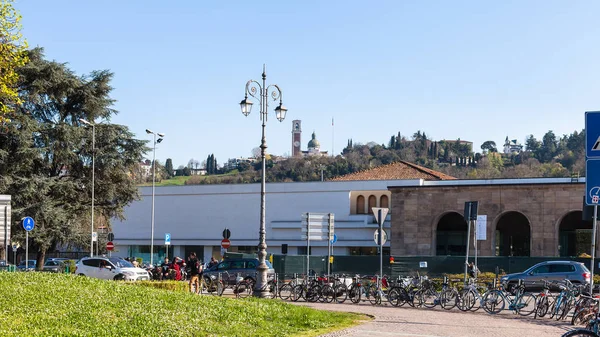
{"x": 478, "y": 70}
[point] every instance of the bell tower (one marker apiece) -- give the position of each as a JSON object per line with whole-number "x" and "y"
{"x": 296, "y": 138}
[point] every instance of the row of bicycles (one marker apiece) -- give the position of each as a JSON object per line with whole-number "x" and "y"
{"x": 559, "y": 300}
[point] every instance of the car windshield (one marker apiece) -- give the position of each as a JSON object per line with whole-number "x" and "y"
{"x": 121, "y": 263}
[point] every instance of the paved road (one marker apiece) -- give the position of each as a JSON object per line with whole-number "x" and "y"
{"x": 391, "y": 321}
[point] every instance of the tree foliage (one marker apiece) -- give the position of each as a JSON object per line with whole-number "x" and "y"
{"x": 12, "y": 56}
{"x": 46, "y": 155}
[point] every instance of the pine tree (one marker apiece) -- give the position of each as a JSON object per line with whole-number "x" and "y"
{"x": 169, "y": 167}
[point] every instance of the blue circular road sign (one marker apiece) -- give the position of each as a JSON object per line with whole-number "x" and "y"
{"x": 28, "y": 223}
{"x": 334, "y": 239}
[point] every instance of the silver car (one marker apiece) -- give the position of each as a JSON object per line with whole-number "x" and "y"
{"x": 556, "y": 271}
{"x": 234, "y": 270}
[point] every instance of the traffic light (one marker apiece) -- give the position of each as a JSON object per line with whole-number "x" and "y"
{"x": 391, "y": 260}
{"x": 271, "y": 258}
{"x": 331, "y": 259}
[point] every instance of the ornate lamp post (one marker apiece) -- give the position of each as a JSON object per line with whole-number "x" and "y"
{"x": 93, "y": 125}
{"x": 161, "y": 136}
{"x": 261, "y": 93}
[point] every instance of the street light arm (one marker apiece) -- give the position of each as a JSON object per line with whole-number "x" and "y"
{"x": 254, "y": 89}
{"x": 276, "y": 93}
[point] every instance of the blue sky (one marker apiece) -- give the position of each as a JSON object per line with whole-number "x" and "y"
{"x": 478, "y": 70}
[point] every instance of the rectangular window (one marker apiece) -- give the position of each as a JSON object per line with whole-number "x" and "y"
{"x": 302, "y": 250}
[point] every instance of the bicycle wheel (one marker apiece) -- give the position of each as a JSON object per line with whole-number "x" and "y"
{"x": 341, "y": 293}
{"x": 582, "y": 317}
{"x": 313, "y": 293}
{"x": 394, "y": 296}
{"x": 466, "y": 300}
{"x": 373, "y": 294}
{"x": 417, "y": 298}
{"x": 526, "y": 305}
{"x": 562, "y": 309}
{"x": 243, "y": 289}
{"x": 354, "y": 294}
{"x": 448, "y": 299}
{"x": 430, "y": 298}
{"x": 579, "y": 332}
{"x": 541, "y": 308}
{"x": 493, "y": 302}
{"x": 327, "y": 294}
{"x": 286, "y": 291}
{"x": 297, "y": 292}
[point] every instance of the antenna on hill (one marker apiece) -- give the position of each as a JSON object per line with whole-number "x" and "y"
{"x": 332, "y": 139}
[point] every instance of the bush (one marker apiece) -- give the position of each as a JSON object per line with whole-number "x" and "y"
{"x": 71, "y": 265}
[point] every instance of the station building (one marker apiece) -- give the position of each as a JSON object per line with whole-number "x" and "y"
{"x": 525, "y": 217}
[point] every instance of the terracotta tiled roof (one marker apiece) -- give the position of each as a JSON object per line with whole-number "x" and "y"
{"x": 396, "y": 171}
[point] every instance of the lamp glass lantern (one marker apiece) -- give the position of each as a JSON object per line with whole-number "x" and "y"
{"x": 246, "y": 106}
{"x": 280, "y": 112}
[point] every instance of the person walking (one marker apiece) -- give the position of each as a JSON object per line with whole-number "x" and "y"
{"x": 195, "y": 268}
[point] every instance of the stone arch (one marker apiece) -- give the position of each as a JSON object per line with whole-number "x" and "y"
{"x": 372, "y": 203}
{"x": 384, "y": 201}
{"x": 574, "y": 234}
{"x": 512, "y": 236}
{"x": 360, "y": 205}
{"x": 450, "y": 234}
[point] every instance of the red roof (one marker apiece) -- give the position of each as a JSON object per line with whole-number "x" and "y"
{"x": 400, "y": 170}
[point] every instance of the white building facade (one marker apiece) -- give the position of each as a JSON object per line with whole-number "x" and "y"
{"x": 195, "y": 217}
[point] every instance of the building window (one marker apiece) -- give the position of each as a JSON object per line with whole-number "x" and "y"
{"x": 385, "y": 201}
{"x": 302, "y": 250}
{"x": 244, "y": 249}
{"x": 372, "y": 203}
{"x": 368, "y": 250}
{"x": 360, "y": 205}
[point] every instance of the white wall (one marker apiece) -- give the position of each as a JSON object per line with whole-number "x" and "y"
{"x": 197, "y": 215}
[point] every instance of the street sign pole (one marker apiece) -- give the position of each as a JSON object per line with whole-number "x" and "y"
{"x": 380, "y": 237}
{"x": 26, "y": 250}
{"x": 307, "y": 244}
{"x": 329, "y": 238}
{"x": 593, "y": 249}
{"x": 475, "y": 241}
{"x": 467, "y": 254}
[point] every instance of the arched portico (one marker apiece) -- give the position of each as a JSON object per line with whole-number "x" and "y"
{"x": 574, "y": 235}
{"x": 512, "y": 235}
{"x": 451, "y": 234}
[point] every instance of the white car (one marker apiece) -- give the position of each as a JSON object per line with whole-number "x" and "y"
{"x": 110, "y": 268}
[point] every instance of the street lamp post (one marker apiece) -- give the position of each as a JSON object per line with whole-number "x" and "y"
{"x": 161, "y": 136}
{"x": 261, "y": 93}
{"x": 93, "y": 125}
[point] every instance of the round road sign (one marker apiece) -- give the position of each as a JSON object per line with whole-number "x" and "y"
{"x": 225, "y": 243}
{"x": 376, "y": 234}
{"x": 110, "y": 246}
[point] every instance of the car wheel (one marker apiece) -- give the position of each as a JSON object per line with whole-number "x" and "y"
{"x": 119, "y": 277}
{"x": 81, "y": 274}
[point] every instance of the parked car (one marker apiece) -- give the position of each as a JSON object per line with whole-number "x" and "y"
{"x": 232, "y": 270}
{"x": 550, "y": 271}
{"x": 112, "y": 268}
{"x": 54, "y": 266}
{"x": 31, "y": 264}
{"x": 63, "y": 259}
{"x": 4, "y": 265}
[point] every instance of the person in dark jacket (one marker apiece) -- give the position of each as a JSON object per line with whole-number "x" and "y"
{"x": 195, "y": 268}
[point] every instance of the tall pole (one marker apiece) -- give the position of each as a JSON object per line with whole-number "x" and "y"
{"x": 593, "y": 249}
{"x": 475, "y": 241}
{"x": 468, "y": 242}
{"x": 329, "y": 238}
{"x": 93, "y": 185}
{"x": 380, "y": 239}
{"x": 152, "y": 225}
{"x": 260, "y": 289}
{"x": 255, "y": 89}
{"x": 26, "y": 250}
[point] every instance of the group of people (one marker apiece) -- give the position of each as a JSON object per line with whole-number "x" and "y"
{"x": 174, "y": 270}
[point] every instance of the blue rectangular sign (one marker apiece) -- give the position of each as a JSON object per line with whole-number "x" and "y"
{"x": 592, "y": 134}
{"x": 592, "y": 182}
{"x": 167, "y": 239}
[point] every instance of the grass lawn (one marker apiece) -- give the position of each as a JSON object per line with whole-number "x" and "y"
{"x": 44, "y": 304}
{"x": 175, "y": 181}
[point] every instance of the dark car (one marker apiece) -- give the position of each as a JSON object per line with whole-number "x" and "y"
{"x": 30, "y": 265}
{"x": 234, "y": 270}
{"x": 551, "y": 271}
{"x": 54, "y": 266}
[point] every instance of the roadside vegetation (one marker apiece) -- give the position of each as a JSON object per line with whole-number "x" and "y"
{"x": 44, "y": 304}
